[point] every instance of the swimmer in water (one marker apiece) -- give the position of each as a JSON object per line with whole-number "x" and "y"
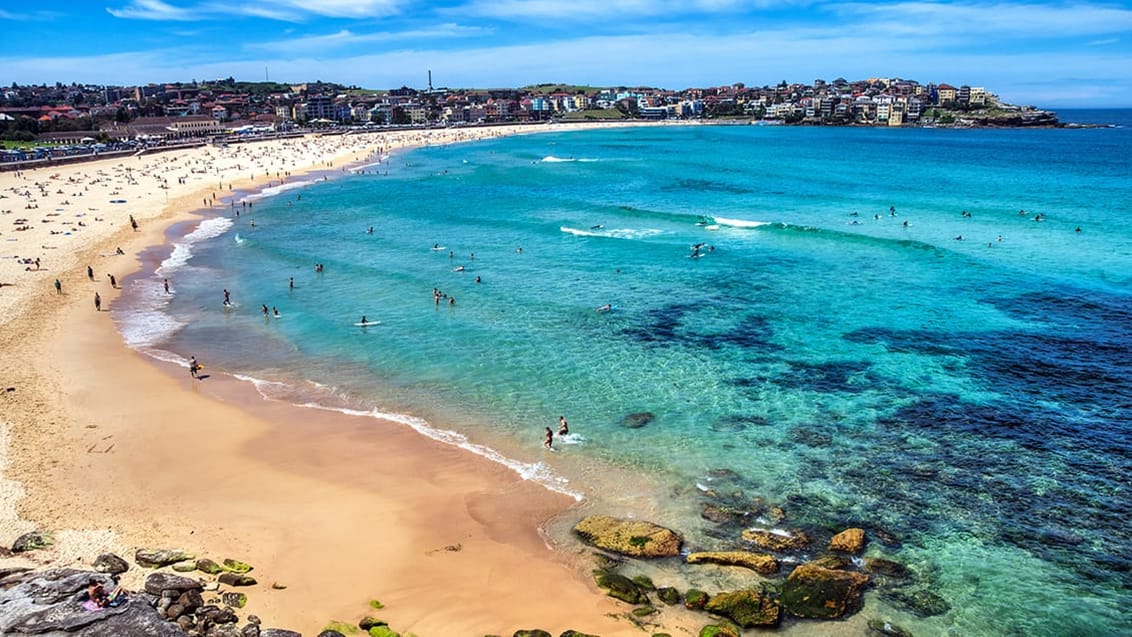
{"x": 549, "y": 441}
{"x": 563, "y": 427}
{"x": 604, "y": 308}
{"x": 264, "y": 310}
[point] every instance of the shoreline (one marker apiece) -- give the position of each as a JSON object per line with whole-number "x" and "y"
{"x": 100, "y": 431}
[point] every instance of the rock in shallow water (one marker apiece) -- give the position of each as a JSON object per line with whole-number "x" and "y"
{"x": 848, "y": 541}
{"x": 637, "y": 420}
{"x": 814, "y": 592}
{"x": 758, "y": 562}
{"x": 748, "y": 608}
{"x": 629, "y": 537}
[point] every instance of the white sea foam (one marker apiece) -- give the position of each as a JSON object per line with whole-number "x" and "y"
{"x": 739, "y": 223}
{"x": 613, "y": 233}
{"x": 551, "y": 159}
{"x": 183, "y": 249}
{"x": 275, "y": 190}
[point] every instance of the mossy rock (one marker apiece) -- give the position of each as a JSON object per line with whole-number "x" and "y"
{"x": 886, "y": 629}
{"x": 725, "y": 629}
{"x": 668, "y": 595}
{"x": 344, "y": 628}
{"x": 644, "y": 582}
{"x": 814, "y": 592}
{"x": 156, "y": 558}
{"x": 32, "y": 541}
{"x": 758, "y": 562}
{"x": 638, "y": 419}
{"x": 695, "y": 599}
{"x": 620, "y": 587}
{"x": 661, "y": 635}
{"x": 748, "y": 608}
{"x": 644, "y": 611}
{"x": 848, "y": 541}
{"x": 206, "y": 565}
{"x": 236, "y": 579}
{"x": 236, "y": 566}
{"x": 185, "y": 567}
{"x": 373, "y": 603}
{"x": 574, "y": 633}
{"x": 834, "y": 562}
{"x": 533, "y": 632}
{"x": 637, "y": 538}
{"x": 368, "y": 622}
{"x": 383, "y": 631}
{"x": 774, "y": 540}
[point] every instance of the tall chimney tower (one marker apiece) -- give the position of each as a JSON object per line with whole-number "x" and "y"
{"x": 430, "y": 80}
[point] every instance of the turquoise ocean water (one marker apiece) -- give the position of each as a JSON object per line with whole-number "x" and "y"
{"x": 835, "y": 349}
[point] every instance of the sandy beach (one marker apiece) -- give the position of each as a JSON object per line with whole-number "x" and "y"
{"x": 112, "y": 450}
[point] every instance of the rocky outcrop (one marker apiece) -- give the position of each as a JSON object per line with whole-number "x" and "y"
{"x": 758, "y": 562}
{"x": 748, "y": 608}
{"x": 51, "y": 603}
{"x": 814, "y": 592}
{"x": 850, "y": 541}
{"x": 629, "y": 537}
{"x": 775, "y": 540}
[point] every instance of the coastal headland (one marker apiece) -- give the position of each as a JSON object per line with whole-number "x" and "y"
{"x": 111, "y": 450}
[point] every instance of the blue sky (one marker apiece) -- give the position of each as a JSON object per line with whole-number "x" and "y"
{"x": 1050, "y": 54}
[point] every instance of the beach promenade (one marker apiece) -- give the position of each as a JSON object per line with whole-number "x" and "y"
{"x": 111, "y": 450}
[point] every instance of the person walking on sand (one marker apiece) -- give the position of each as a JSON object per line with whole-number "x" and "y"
{"x": 97, "y": 302}
{"x": 90, "y": 273}
{"x": 194, "y": 366}
{"x": 113, "y": 281}
{"x": 58, "y": 286}
{"x": 563, "y": 427}
{"x": 549, "y": 442}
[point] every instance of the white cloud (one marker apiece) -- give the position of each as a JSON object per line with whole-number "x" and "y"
{"x": 1014, "y": 19}
{"x": 345, "y": 37}
{"x": 283, "y": 10}
{"x": 581, "y": 10}
{"x": 152, "y": 10}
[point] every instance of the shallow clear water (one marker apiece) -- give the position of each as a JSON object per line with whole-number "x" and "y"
{"x": 966, "y": 400}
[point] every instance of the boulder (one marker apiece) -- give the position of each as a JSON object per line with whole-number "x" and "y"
{"x": 188, "y": 566}
{"x": 575, "y": 633}
{"x": 775, "y": 540}
{"x": 157, "y": 583}
{"x": 850, "y": 541}
{"x": 278, "y": 632}
{"x": 620, "y": 587}
{"x": 234, "y": 599}
{"x": 629, "y": 537}
{"x": 235, "y": 579}
{"x": 695, "y": 599}
{"x": 252, "y": 630}
{"x": 748, "y": 608}
{"x": 383, "y": 631}
{"x": 32, "y": 540}
{"x": 532, "y": 632}
{"x": 820, "y": 593}
{"x": 757, "y": 562}
{"x": 156, "y": 558}
{"x": 637, "y": 420}
{"x": 110, "y": 563}
{"x": 330, "y": 633}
